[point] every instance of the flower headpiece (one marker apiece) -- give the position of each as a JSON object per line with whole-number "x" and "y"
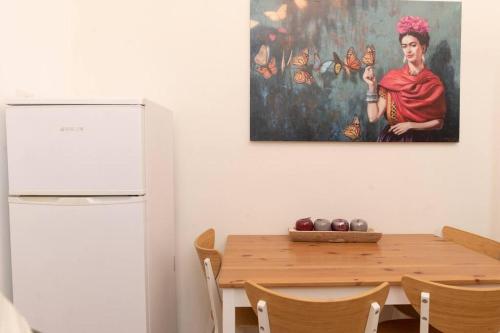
{"x": 413, "y": 24}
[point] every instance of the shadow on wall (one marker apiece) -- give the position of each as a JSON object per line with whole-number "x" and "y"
{"x": 440, "y": 64}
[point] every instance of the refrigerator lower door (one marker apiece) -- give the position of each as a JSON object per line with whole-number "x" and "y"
{"x": 78, "y": 263}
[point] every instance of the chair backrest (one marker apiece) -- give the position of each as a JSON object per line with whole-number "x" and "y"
{"x": 294, "y": 315}
{"x": 456, "y": 309}
{"x": 204, "y": 245}
{"x": 210, "y": 260}
{"x": 474, "y": 242}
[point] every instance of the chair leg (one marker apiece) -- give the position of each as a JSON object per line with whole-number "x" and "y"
{"x": 424, "y": 312}
{"x": 213, "y": 292}
{"x": 263, "y": 317}
{"x": 372, "y": 322}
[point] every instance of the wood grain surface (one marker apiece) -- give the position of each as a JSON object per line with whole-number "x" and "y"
{"x": 457, "y": 309}
{"x": 275, "y": 261}
{"x": 296, "y": 315}
{"x": 472, "y": 241}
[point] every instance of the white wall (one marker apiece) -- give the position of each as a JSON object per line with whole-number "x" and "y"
{"x": 495, "y": 222}
{"x": 192, "y": 56}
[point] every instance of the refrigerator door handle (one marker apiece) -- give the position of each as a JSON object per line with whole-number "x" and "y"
{"x": 76, "y": 201}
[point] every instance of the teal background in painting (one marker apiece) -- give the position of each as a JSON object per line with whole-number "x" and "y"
{"x": 284, "y": 110}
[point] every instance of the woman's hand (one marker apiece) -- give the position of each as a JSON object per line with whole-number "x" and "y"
{"x": 370, "y": 79}
{"x": 401, "y": 128}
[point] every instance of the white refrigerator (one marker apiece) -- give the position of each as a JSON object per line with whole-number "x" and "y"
{"x": 92, "y": 215}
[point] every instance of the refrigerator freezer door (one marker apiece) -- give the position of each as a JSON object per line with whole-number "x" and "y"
{"x": 78, "y": 263}
{"x": 75, "y": 149}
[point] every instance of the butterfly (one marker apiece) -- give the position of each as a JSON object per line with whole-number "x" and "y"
{"x": 253, "y": 24}
{"x": 353, "y": 130}
{"x": 302, "y": 76}
{"x": 267, "y": 71}
{"x": 369, "y": 57}
{"x": 265, "y": 67}
{"x": 278, "y": 15}
{"x": 301, "y": 3}
{"x": 336, "y": 65}
{"x": 302, "y": 59}
{"x": 325, "y": 66}
{"x": 351, "y": 63}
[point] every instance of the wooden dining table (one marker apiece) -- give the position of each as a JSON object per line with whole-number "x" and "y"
{"x": 332, "y": 270}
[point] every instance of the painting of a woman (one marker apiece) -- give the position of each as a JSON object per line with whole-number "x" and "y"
{"x": 411, "y": 98}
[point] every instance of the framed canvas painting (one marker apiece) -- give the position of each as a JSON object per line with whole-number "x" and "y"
{"x": 355, "y": 70}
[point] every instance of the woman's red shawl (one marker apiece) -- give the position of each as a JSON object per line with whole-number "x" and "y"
{"x": 418, "y": 98}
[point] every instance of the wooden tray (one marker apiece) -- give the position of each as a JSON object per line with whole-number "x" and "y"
{"x": 335, "y": 236}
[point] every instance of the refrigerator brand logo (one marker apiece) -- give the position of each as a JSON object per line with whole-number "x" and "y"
{"x": 71, "y": 129}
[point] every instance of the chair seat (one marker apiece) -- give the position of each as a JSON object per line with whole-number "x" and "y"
{"x": 403, "y": 326}
{"x": 246, "y": 317}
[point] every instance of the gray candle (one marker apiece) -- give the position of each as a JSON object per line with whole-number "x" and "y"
{"x": 322, "y": 225}
{"x": 359, "y": 225}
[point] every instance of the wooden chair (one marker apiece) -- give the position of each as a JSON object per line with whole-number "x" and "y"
{"x": 474, "y": 242}
{"x": 281, "y": 314}
{"x": 211, "y": 261}
{"x": 469, "y": 240}
{"x": 448, "y": 309}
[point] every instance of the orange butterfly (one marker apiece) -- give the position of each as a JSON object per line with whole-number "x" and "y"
{"x": 353, "y": 130}
{"x": 351, "y": 63}
{"x": 369, "y": 57}
{"x": 302, "y": 59}
{"x": 302, "y": 77}
{"x": 268, "y": 70}
{"x": 265, "y": 67}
